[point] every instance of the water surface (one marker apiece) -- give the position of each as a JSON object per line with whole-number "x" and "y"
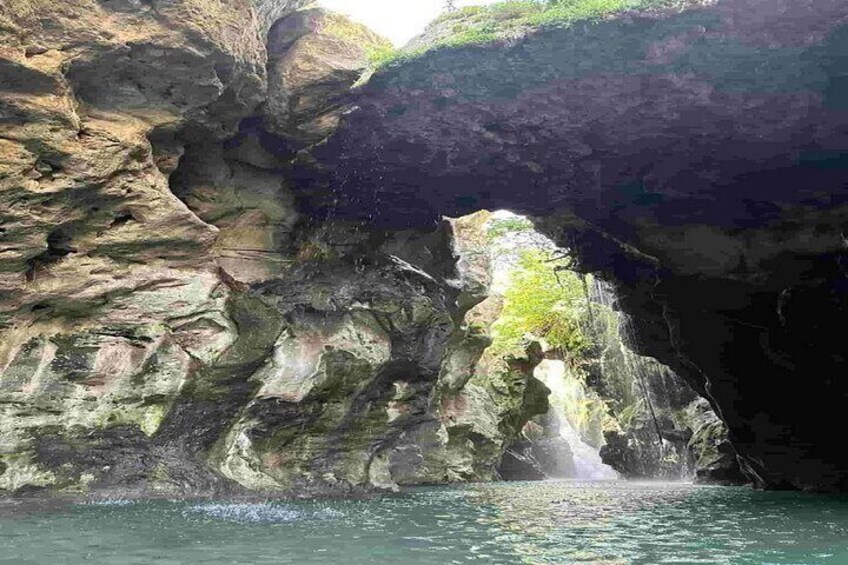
{"x": 509, "y": 523}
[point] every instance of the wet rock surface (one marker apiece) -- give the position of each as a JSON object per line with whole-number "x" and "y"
{"x": 109, "y": 295}
{"x": 696, "y": 160}
{"x": 190, "y": 302}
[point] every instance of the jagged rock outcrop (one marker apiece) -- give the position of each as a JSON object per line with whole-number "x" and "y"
{"x": 694, "y": 157}
{"x": 542, "y": 446}
{"x": 489, "y": 412}
{"x": 715, "y": 459}
{"x": 670, "y": 433}
{"x": 109, "y": 293}
{"x": 368, "y": 384}
{"x": 315, "y": 56}
{"x": 350, "y": 374}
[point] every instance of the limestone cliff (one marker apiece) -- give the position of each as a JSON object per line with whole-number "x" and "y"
{"x": 110, "y": 296}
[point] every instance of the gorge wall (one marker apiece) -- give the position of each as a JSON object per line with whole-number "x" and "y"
{"x": 222, "y": 269}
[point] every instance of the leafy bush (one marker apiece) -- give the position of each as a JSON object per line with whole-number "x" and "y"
{"x": 545, "y": 300}
{"x": 383, "y": 55}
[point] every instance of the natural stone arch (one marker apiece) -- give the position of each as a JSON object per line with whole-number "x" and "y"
{"x": 628, "y": 136}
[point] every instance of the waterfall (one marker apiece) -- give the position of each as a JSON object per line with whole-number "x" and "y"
{"x": 587, "y": 461}
{"x": 604, "y": 294}
{"x": 568, "y": 400}
{"x": 640, "y": 368}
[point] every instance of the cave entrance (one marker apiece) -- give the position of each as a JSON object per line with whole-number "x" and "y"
{"x": 541, "y": 378}
{"x": 604, "y": 411}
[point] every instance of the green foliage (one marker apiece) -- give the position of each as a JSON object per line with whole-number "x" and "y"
{"x": 477, "y": 25}
{"x": 499, "y": 227}
{"x": 382, "y": 55}
{"x": 630, "y": 414}
{"x": 545, "y": 300}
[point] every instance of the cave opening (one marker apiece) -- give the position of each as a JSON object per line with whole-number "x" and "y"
{"x": 607, "y": 411}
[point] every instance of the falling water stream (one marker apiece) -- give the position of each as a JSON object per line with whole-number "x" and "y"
{"x": 587, "y": 461}
{"x": 567, "y": 393}
{"x": 603, "y": 293}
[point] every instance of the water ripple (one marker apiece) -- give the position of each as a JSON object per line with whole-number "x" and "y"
{"x": 547, "y": 523}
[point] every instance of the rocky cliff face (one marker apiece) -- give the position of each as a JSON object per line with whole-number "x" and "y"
{"x": 198, "y": 292}
{"x": 669, "y": 433}
{"x": 111, "y": 296}
{"x": 170, "y": 321}
{"x": 694, "y": 157}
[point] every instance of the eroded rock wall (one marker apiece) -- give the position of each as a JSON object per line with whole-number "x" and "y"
{"x": 695, "y": 157}
{"x": 110, "y": 296}
{"x": 170, "y": 321}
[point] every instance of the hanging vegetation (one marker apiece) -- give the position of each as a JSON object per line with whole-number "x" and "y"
{"x": 546, "y": 300}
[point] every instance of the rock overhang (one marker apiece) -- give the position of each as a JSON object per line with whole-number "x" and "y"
{"x": 675, "y": 118}
{"x": 697, "y": 158}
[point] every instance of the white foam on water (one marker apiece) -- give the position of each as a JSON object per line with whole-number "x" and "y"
{"x": 263, "y": 512}
{"x": 328, "y": 513}
{"x": 111, "y": 502}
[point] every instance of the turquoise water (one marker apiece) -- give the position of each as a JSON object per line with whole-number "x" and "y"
{"x": 509, "y": 523}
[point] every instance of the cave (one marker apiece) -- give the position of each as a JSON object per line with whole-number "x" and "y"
{"x": 253, "y": 249}
{"x": 672, "y": 171}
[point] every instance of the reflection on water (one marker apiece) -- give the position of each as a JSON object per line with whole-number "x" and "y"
{"x": 546, "y": 523}
{"x": 620, "y": 522}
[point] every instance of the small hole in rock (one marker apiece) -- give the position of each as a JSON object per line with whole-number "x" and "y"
{"x": 121, "y": 219}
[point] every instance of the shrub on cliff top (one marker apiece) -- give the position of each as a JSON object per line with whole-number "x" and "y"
{"x": 475, "y": 25}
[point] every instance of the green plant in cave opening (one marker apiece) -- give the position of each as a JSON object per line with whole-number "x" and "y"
{"x": 500, "y": 227}
{"x": 381, "y": 55}
{"x": 545, "y": 300}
